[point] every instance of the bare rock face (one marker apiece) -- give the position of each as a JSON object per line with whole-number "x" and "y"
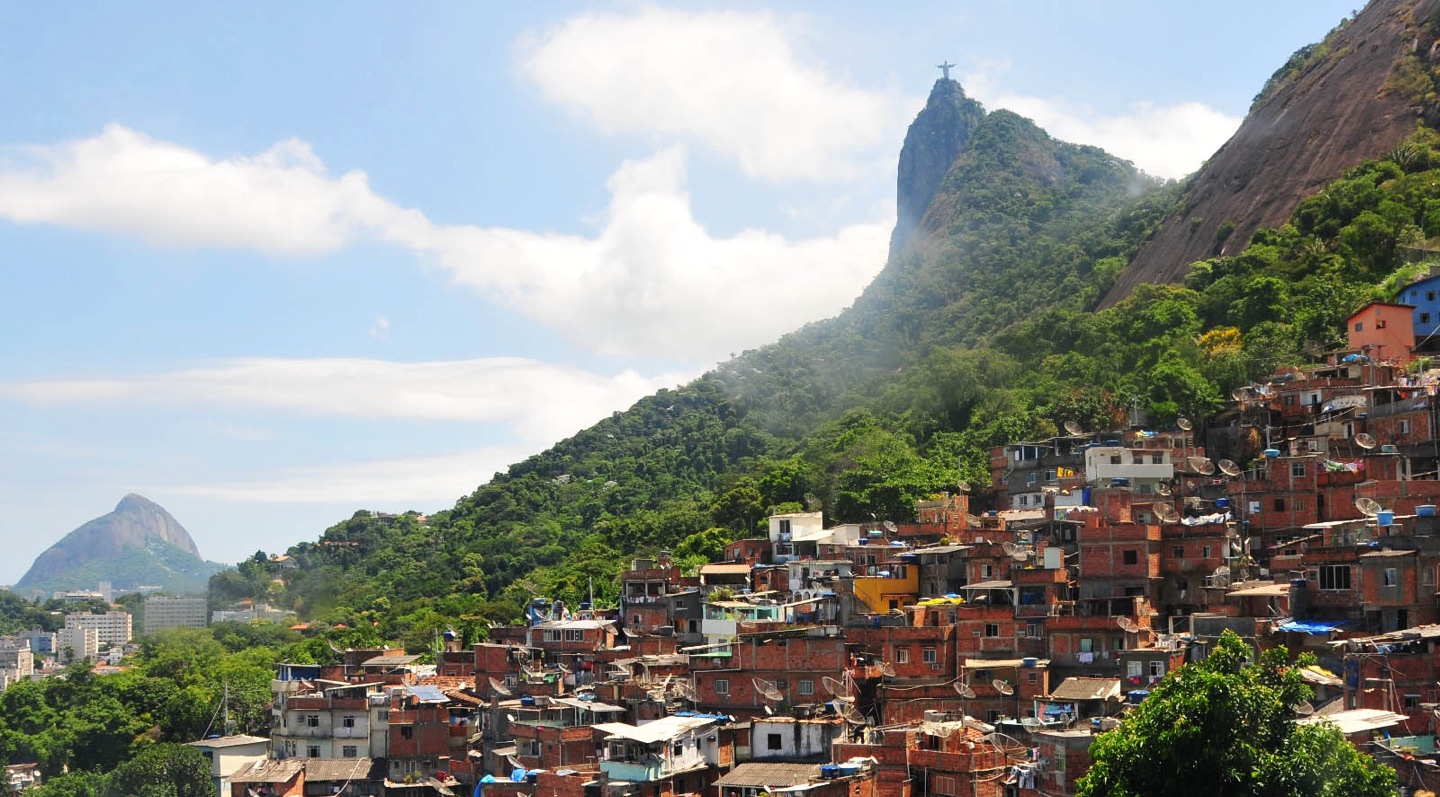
{"x": 934, "y": 140}
{"x": 1343, "y": 107}
{"x": 96, "y": 550}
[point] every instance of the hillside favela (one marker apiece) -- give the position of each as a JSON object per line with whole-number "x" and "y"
{"x": 1105, "y": 484}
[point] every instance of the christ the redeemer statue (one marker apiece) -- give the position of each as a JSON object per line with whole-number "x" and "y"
{"x": 945, "y": 69}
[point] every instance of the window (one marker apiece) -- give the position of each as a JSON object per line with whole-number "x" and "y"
{"x": 1359, "y": 326}
{"x": 1114, "y": 459}
{"x": 1137, "y": 459}
{"x": 773, "y": 741}
{"x": 1087, "y": 645}
{"x": 1297, "y": 469}
{"x": 1157, "y": 668}
{"x": 1178, "y": 552}
{"x": 1032, "y": 477}
{"x": 348, "y": 751}
{"x": 1379, "y": 323}
{"x": 383, "y": 715}
{"x": 1157, "y": 459}
{"x": 985, "y": 571}
{"x": 1429, "y": 296}
{"x": 347, "y": 721}
{"x": 1279, "y": 504}
{"x": 1391, "y": 577}
{"x": 783, "y": 684}
{"x": 1424, "y": 318}
{"x": 943, "y": 785}
{"x": 1412, "y": 702}
{"x": 1205, "y": 552}
{"x": 1298, "y": 504}
{"x": 677, "y": 749}
{"x": 1133, "y": 668}
{"x": 784, "y": 526}
{"x": 722, "y": 686}
{"x": 1024, "y": 500}
{"x": 902, "y": 655}
{"x": 1403, "y": 426}
{"x": 807, "y": 686}
{"x": 407, "y": 732}
{"x": 928, "y": 656}
{"x": 574, "y": 636}
{"x": 1335, "y": 578}
{"x": 312, "y": 751}
{"x": 1034, "y": 629}
{"x": 312, "y": 720}
{"x": 1427, "y": 577}
{"x": 992, "y": 629}
{"x": 1130, "y": 556}
{"x": 1034, "y": 679}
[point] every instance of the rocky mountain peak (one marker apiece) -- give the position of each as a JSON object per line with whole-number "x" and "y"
{"x": 934, "y": 140}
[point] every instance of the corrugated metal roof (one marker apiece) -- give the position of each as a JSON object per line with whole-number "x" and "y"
{"x": 768, "y": 775}
{"x": 337, "y": 768}
{"x": 658, "y": 731}
{"x": 1081, "y": 688}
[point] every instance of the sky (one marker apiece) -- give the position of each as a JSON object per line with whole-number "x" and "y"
{"x": 268, "y": 264}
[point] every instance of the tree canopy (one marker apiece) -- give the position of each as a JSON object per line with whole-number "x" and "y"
{"x": 1226, "y": 727}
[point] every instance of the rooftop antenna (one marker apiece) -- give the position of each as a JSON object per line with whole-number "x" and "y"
{"x": 1002, "y": 686}
{"x": 768, "y": 689}
{"x": 1368, "y": 507}
{"x": 838, "y": 688}
{"x": 1365, "y": 440}
{"x": 1228, "y": 467}
{"x": 1073, "y": 429}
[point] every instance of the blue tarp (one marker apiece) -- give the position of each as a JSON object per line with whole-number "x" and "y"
{"x": 1313, "y": 627}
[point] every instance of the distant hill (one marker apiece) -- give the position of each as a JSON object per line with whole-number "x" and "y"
{"x": 137, "y": 544}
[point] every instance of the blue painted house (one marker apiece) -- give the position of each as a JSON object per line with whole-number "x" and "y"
{"x": 1424, "y": 295}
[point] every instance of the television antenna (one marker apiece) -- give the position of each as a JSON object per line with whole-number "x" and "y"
{"x": 838, "y": 688}
{"x": 768, "y": 689}
{"x": 499, "y": 688}
{"x": 963, "y": 690}
{"x": 1184, "y": 424}
{"x": 1368, "y": 507}
{"x": 1166, "y": 513}
{"x": 1221, "y": 577}
{"x": 1002, "y": 686}
{"x": 1127, "y": 625}
{"x": 1228, "y": 467}
{"x": 1365, "y": 440}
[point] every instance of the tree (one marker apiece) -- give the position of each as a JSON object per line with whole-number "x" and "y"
{"x": 1225, "y": 727}
{"x": 163, "y": 770}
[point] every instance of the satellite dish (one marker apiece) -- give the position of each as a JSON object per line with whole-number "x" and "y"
{"x": 963, "y": 690}
{"x": 1163, "y": 489}
{"x": 1127, "y": 625}
{"x": 1365, "y": 440}
{"x": 812, "y": 502}
{"x": 509, "y": 717}
{"x": 1228, "y": 467}
{"x": 1165, "y": 513}
{"x": 1073, "y": 429}
{"x": 1002, "y": 686}
{"x": 1206, "y": 467}
{"x": 850, "y": 714}
{"x": 1184, "y": 424}
{"x": 1195, "y": 462}
{"x": 1240, "y": 393}
{"x": 1009, "y": 547}
{"x": 889, "y": 526}
{"x": 499, "y": 687}
{"x": 1368, "y": 507}
{"x": 837, "y": 688}
{"x": 1221, "y": 576}
{"x": 768, "y": 689}
{"x": 887, "y": 669}
{"x": 1304, "y": 708}
{"x": 1021, "y": 555}
{"x": 963, "y": 485}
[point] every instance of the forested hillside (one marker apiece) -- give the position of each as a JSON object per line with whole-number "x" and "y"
{"x": 981, "y": 330}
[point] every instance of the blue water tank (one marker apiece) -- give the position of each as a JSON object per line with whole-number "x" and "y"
{"x": 829, "y": 771}
{"x": 1029, "y": 662}
{"x": 1425, "y": 510}
{"x": 527, "y": 700}
{"x": 1385, "y": 518}
{"x": 1272, "y": 453}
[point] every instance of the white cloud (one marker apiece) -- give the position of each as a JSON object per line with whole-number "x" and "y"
{"x": 730, "y": 80}
{"x": 380, "y": 330}
{"x": 541, "y": 402}
{"x": 409, "y": 483}
{"x": 652, "y": 281}
{"x": 1163, "y": 140}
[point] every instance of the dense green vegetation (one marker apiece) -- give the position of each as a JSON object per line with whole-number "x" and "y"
{"x": 976, "y": 337}
{"x": 113, "y": 733}
{"x": 1226, "y": 727}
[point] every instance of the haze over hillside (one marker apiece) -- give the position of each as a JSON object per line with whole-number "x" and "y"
{"x": 137, "y": 544}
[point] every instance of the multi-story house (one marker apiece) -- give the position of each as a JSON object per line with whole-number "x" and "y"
{"x": 670, "y": 756}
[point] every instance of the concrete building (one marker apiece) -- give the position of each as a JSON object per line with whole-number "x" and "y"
{"x": 16, "y": 661}
{"x": 114, "y": 628}
{"x": 228, "y": 754}
{"x": 162, "y": 613}
{"x": 41, "y": 641}
{"x": 77, "y": 642}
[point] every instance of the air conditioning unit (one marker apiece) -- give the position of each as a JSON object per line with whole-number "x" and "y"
{"x": 975, "y": 634}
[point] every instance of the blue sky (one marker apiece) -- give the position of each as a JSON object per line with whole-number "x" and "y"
{"x": 268, "y": 264}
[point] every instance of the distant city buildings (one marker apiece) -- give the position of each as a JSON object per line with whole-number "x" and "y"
{"x": 113, "y": 627}
{"x": 162, "y": 613}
